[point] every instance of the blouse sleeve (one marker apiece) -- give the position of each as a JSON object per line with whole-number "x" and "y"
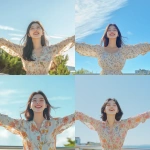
{"x": 132, "y": 51}
{"x": 88, "y": 50}
{"x": 135, "y": 121}
{"x": 64, "y": 123}
{"x": 11, "y": 48}
{"x": 62, "y": 46}
{"x": 13, "y": 125}
{"x": 88, "y": 121}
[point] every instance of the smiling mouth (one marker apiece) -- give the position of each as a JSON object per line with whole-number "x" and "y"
{"x": 111, "y": 34}
{"x": 38, "y": 106}
{"x": 35, "y": 33}
{"x": 111, "y": 109}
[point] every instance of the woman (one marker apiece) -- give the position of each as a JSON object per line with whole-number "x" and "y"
{"x": 111, "y": 130}
{"x": 113, "y": 55}
{"x": 36, "y": 55}
{"x": 39, "y": 130}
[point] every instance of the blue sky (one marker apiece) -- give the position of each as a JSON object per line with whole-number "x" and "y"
{"x": 131, "y": 16}
{"x": 56, "y": 16}
{"x": 14, "y": 94}
{"x": 132, "y": 93}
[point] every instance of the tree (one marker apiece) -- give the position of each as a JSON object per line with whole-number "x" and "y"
{"x": 83, "y": 71}
{"x": 71, "y": 143}
{"x": 10, "y": 65}
{"x": 59, "y": 66}
{"x": 13, "y": 65}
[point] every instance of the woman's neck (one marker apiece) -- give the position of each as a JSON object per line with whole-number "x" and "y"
{"x": 37, "y": 44}
{"x": 111, "y": 120}
{"x": 38, "y": 119}
{"x": 112, "y": 43}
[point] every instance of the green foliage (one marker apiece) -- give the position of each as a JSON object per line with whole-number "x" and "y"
{"x": 13, "y": 66}
{"x": 83, "y": 71}
{"x": 59, "y": 66}
{"x": 71, "y": 143}
{"x": 10, "y": 65}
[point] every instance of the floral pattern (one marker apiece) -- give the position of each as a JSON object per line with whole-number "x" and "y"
{"x": 112, "y": 138}
{"x": 34, "y": 139}
{"x": 41, "y": 65}
{"x": 112, "y": 63}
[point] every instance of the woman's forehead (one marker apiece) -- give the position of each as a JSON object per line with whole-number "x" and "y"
{"x": 37, "y": 96}
{"x": 111, "y": 101}
{"x": 112, "y": 27}
{"x": 35, "y": 25}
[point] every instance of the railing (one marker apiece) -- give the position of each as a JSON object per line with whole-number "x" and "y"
{"x": 84, "y": 147}
{"x": 21, "y": 148}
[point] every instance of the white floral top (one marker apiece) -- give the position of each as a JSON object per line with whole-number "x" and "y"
{"x": 42, "y": 64}
{"x": 34, "y": 139}
{"x": 112, "y": 63}
{"x": 112, "y": 138}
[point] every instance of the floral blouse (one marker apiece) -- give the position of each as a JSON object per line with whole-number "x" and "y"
{"x": 112, "y": 63}
{"x": 34, "y": 139}
{"x": 41, "y": 65}
{"x": 112, "y": 138}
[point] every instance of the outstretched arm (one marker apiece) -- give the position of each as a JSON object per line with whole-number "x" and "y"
{"x": 88, "y": 121}
{"x": 62, "y": 46}
{"x": 11, "y": 48}
{"x": 88, "y": 50}
{"x": 132, "y": 51}
{"x": 64, "y": 123}
{"x": 13, "y": 125}
{"x": 135, "y": 121}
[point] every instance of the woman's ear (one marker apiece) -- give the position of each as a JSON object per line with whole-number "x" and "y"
{"x": 29, "y": 35}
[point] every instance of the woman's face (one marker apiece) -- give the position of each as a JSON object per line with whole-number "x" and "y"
{"x": 35, "y": 31}
{"x": 112, "y": 32}
{"x": 111, "y": 108}
{"x": 38, "y": 103}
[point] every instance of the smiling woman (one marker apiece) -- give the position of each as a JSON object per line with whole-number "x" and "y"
{"x": 35, "y": 53}
{"x": 40, "y": 129}
{"x": 113, "y": 55}
{"x": 112, "y": 130}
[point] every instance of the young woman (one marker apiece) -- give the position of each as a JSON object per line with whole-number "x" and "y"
{"x": 113, "y": 55}
{"x": 39, "y": 130}
{"x": 111, "y": 130}
{"x": 36, "y": 55}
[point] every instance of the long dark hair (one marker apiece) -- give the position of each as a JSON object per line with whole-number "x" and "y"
{"x": 29, "y": 114}
{"x": 28, "y": 44}
{"x": 105, "y": 39}
{"x": 104, "y": 115}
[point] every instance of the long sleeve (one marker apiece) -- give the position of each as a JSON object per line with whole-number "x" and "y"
{"x": 132, "y": 51}
{"x": 64, "y": 123}
{"x": 88, "y": 50}
{"x": 62, "y": 46}
{"x": 135, "y": 121}
{"x": 88, "y": 121}
{"x": 13, "y": 125}
{"x": 11, "y": 48}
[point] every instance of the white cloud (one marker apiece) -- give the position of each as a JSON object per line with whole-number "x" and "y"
{"x": 129, "y": 33}
{"x": 10, "y": 101}
{"x": 62, "y": 138}
{"x": 90, "y": 15}
{"x": 6, "y": 28}
{"x": 60, "y": 98}
{"x": 7, "y": 92}
{"x": 55, "y": 37}
{"x": 15, "y": 39}
{"x": 4, "y": 133}
{"x": 2, "y": 27}
{"x": 19, "y": 35}
{"x": 6, "y": 138}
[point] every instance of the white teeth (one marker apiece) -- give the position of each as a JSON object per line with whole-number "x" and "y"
{"x": 38, "y": 106}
